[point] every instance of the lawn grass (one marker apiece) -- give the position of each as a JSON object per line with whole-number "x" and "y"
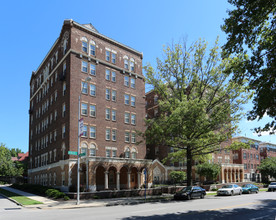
{"x": 211, "y": 194}
{"x": 263, "y": 189}
{"x": 20, "y": 199}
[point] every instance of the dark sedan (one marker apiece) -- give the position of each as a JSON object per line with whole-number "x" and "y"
{"x": 190, "y": 192}
{"x": 249, "y": 188}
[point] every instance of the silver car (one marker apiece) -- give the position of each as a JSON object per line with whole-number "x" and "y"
{"x": 230, "y": 189}
{"x": 272, "y": 187}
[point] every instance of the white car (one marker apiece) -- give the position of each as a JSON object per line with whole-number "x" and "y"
{"x": 272, "y": 186}
{"x": 230, "y": 189}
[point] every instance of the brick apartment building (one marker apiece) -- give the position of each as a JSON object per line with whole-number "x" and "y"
{"x": 230, "y": 171}
{"x": 112, "y": 108}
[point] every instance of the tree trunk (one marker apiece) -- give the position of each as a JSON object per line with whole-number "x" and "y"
{"x": 189, "y": 167}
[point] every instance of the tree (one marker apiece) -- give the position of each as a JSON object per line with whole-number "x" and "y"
{"x": 15, "y": 152}
{"x": 268, "y": 168}
{"x": 209, "y": 170}
{"x": 7, "y": 166}
{"x": 251, "y": 30}
{"x": 199, "y": 105}
{"x": 177, "y": 176}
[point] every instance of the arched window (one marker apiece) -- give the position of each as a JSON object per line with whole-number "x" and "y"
{"x": 84, "y": 147}
{"x": 92, "y": 48}
{"x": 92, "y": 150}
{"x": 127, "y": 153}
{"x": 84, "y": 44}
{"x": 126, "y": 62}
{"x": 133, "y": 153}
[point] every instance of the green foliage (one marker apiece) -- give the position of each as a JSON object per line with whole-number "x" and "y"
{"x": 199, "y": 105}
{"x": 66, "y": 198}
{"x": 209, "y": 170}
{"x": 15, "y": 152}
{"x": 7, "y": 166}
{"x": 251, "y": 31}
{"x": 268, "y": 168}
{"x": 177, "y": 176}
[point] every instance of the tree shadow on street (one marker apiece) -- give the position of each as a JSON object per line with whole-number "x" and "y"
{"x": 264, "y": 211}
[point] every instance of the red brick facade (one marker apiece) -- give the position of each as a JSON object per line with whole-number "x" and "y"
{"x": 112, "y": 108}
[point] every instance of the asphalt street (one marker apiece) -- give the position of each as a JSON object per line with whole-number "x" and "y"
{"x": 254, "y": 206}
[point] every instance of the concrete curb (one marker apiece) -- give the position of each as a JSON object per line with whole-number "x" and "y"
{"x": 12, "y": 200}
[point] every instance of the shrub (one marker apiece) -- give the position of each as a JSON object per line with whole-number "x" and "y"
{"x": 214, "y": 189}
{"x": 66, "y": 198}
{"x": 95, "y": 197}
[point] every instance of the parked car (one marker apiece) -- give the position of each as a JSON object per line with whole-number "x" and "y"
{"x": 190, "y": 192}
{"x": 272, "y": 187}
{"x": 230, "y": 189}
{"x": 249, "y": 188}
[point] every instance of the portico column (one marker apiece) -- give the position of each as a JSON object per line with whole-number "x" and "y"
{"x": 239, "y": 176}
{"x": 128, "y": 180}
{"x": 118, "y": 180}
{"x": 242, "y": 173}
{"x": 106, "y": 179}
{"x": 139, "y": 179}
{"x": 235, "y": 173}
{"x": 226, "y": 176}
{"x": 87, "y": 175}
{"x": 231, "y": 176}
{"x": 222, "y": 176}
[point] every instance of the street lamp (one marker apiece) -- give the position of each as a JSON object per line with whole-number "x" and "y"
{"x": 88, "y": 79}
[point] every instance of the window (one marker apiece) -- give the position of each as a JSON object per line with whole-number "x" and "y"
{"x": 244, "y": 155}
{"x": 107, "y": 74}
{"x": 155, "y": 112}
{"x": 127, "y": 118}
{"x": 114, "y": 135}
{"x": 107, "y": 113}
{"x": 133, "y": 119}
{"x": 107, "y": 55}
{"x": 133, "y": 138}
{"x": 92, "y": 69}
{"x": 114, "y": 153}
{"x": 113, "y": 76}
{"x": 92, "y": 110}
{"x": 113, "y": 58}
{"x": 126, "y": 81}
{"x": 107, "y": 94}
{"x": 64, "y": 69}
{"x": 84, "y": 66}
{"x": 93, "y": 90}
{"x": 134, "y": 155}
{"x": 92, "y": 132}
{"x": 55, "y": 96}
{"x": 126, "y": 99}
{"x": 92, "y": 150}
{"x": 257, "y": 156}
{"x": 107, "y": 134}
{"x": 132, "y": 83}
{"x": 84, "y": 47}
{"x": 133, "y": 100}
{"x": 84, "y": 134}
{"x": 126, "y": 63}
{"x": 127, "y": 153}
{"x": 107, "y": 153}
{"x": 64, "y": 88}
{"x": 63, "y": 131}
{"x": 155, "y": 99}
{"x": 114, "y": 93}
{"x": 127, "y": 136}
{"x": 113, "y": 115}
{"x": 84, "y": 88}
{"x": 63, "y": 109}
{"x": 92, "y": 49}
{"x": 83, "y": 108}
{"x": 132, "y": 65}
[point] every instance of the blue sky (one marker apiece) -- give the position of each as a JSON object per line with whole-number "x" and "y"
{"x": 29, "y": 29}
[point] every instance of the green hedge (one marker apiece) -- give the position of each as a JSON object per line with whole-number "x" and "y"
{"x": 40, "y": 190}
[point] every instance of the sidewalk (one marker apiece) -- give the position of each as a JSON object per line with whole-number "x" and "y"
{"x": 71, "y": 204}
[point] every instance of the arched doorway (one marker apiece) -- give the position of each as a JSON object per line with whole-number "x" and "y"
{"x": 112, "y": 178}
{"x": 100, "y": 178}
{"x": 123, "y": 178}
{"x": 134, "y": 178}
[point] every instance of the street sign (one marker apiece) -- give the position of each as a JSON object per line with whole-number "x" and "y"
{"x": 72, "y": 152}
{"x": 81, "y": 126}
{"x": 82, "y": 154}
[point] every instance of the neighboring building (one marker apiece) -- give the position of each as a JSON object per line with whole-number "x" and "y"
{"x": 22, "y": 157}
{"x": 112, "y": 108}
{"x": 250, "y": 158}
{"x": 267, "y": 150}
{"x": 229, "y": 172}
